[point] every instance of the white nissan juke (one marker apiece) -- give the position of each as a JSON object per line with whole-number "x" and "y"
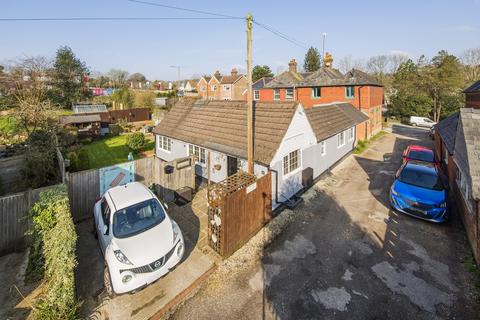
{"x": 139, "y": 241}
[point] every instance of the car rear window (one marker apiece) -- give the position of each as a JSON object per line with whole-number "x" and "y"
{"x": 421, "y": 155}
{"x": 420, "y": 178}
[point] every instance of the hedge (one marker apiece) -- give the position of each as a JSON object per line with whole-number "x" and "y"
{"x": 54, "y": 233}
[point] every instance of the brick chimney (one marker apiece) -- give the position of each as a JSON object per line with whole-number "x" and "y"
{"x": 234, "y": 72}
{"x": 292, "y": 66}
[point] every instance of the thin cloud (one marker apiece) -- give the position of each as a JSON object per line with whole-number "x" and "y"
{"x": 464, "y": 28}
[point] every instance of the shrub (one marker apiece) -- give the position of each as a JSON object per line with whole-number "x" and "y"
{"x": 54, "y": 241}
{"x": 41, "y": 165}
{"x": 136, "y": 141}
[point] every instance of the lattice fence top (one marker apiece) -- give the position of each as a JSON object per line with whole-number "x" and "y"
{"x": 219, "y": 191}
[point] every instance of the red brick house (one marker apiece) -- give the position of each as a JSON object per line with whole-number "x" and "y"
{"x": 328, "y": 85}
{"x": 458, "y": 147}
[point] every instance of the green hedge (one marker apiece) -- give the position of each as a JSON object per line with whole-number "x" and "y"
{"x": 54, "y": 241}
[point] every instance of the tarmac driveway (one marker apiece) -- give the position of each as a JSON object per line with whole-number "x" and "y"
{"x": 351, "y": 257}
{"x": 346, "y": 255}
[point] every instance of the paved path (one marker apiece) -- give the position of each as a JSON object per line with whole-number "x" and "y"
{"x": 348, "y": 256}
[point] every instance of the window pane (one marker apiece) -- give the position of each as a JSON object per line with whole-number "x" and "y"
{"x": 285, "y": 165}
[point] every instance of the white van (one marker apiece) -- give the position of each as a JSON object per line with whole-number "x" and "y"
{"x": 422, "y": 122}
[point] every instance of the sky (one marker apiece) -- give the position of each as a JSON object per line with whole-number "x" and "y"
{"x": 359, "y": 29}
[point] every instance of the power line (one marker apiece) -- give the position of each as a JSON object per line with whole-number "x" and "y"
{"x": 282, "y": 35}
{"x": 110, "y": 19}
{"x": 185, "y": 9}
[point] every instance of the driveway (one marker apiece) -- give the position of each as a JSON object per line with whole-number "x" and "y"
{"x": 348, "y": 256}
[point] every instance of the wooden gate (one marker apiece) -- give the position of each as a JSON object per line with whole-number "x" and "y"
{"x": 238, "y": 207}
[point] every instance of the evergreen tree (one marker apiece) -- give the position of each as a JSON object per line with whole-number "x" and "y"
{"x": 68, "y": 78}
{"x": 260, "y": 72}
{"x": 312, "y": 60}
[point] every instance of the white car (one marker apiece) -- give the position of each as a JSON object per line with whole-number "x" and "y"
{"x": 139, "y": 241}
{"x": 422, "y": 122}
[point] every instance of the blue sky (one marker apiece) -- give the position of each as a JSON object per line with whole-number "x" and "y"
{"x": 357, "y": 28}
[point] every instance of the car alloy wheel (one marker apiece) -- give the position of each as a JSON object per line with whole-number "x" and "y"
{"x": 107, "y": 281}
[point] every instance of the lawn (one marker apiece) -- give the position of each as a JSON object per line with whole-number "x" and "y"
{"x": 111, "y": 150}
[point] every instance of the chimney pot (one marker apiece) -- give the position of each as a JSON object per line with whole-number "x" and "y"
{"x": 292, "y": 66}
{"x": 234, "y": 72}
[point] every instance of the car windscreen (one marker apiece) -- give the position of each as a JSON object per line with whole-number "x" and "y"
{"x": 419, "y": 178}
{"x": 421, "y": 155}
{"x": 137, "y": 218}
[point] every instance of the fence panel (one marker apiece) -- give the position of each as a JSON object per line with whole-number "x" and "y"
{"x": 83, "y": 190}
{"x": 14, "y": 218}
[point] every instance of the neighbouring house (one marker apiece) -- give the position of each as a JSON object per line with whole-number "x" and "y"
{"x": 191, "y": 85}
{"x": 88, "y": 125}
{"x": 328, "y": 85}
{"x": 215, "y": 92}
{"x": 89, "y": 108}
{"x": 295, "y": 144}
{"x": 257, "y": 85}
{"x": 472, "y": 96}
{"x": 457, "y": 146}
{"x": 234, "y": 86}
{"x": 202, "y": 87}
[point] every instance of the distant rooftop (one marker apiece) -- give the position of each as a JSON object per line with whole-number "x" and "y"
{"x": 89, "y": 108}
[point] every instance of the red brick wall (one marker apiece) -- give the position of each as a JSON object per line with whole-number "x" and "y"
{"x": 472, "y": 100}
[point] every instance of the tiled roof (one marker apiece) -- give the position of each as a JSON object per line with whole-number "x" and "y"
{"x": 329, "y": 119}
{"x": 285, "y": 79}
{"x": 324, "y": 77}
{"x": 467, "y": 147}
{"x": 260, "y": 83}
{"x": 222, "y": 126}
{"x": 230, "y": 79}
{"x": 64, "y": 120}
{"x": 447, "y": 129}
{"x": 473, "y": 88}
{"x": 358, "y": 77}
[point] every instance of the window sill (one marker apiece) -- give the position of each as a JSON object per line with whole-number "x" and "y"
{"x": 291, "y": 173}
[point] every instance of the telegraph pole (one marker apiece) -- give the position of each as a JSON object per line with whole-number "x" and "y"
{"x": 249, "y": 94}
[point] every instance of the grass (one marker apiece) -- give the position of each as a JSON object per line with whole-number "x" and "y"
{"x": 111, "y": 150}
{"x": 8, "y": 125}
{"x": 362, "y": 145}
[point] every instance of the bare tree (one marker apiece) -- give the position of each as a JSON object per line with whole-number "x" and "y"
{"x": 118, "y": 77}
{"x": 395, "y": 60}
{"x": 31, "y": 76}
{"x": 471, "y": 60}
{"x": 348, "y": 63}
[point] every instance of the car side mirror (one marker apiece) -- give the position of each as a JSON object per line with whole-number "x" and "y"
{"x": 105, "y": 230}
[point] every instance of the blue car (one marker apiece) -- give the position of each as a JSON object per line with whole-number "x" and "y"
{"x": 418, "y": 191}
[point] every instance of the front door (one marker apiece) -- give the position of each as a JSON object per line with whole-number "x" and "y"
{"x": 232, "y": 165}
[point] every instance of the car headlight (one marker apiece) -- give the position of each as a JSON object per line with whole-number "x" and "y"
{"x": 395, "y": 193}
{"x": 176, "y": 231}
{"x": 121, "y": 257}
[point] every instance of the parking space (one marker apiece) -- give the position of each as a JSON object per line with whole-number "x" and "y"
{"x": 346, "y": 255}
{"x": 155, "y": 299}
{"x": 355, "y": 258}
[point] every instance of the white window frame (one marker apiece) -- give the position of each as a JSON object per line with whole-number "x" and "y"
{"x": 163, "y": 142}
{"x": 256, "y": 94}
{"x": 323, "y": 148}
{"x": 464, "y": 188}
{"x": 341, "y": 139}
{"x": 289, "y": 96}
{"x": 201, "y": 157}
{"x": 353, "y": 92}
{"x": 313, "y": 92}
{"x": 275, "y": 92}
{"x": 288, "y": 167}
{"x": 350, "y": 134}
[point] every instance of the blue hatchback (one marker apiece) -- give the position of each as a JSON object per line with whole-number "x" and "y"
{"x": 418, "y": 191}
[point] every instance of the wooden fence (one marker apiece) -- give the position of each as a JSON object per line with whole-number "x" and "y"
{"x": 84, "y": 186}
{"x": 14, "y": 218}
{"x": 236, "y": 217}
